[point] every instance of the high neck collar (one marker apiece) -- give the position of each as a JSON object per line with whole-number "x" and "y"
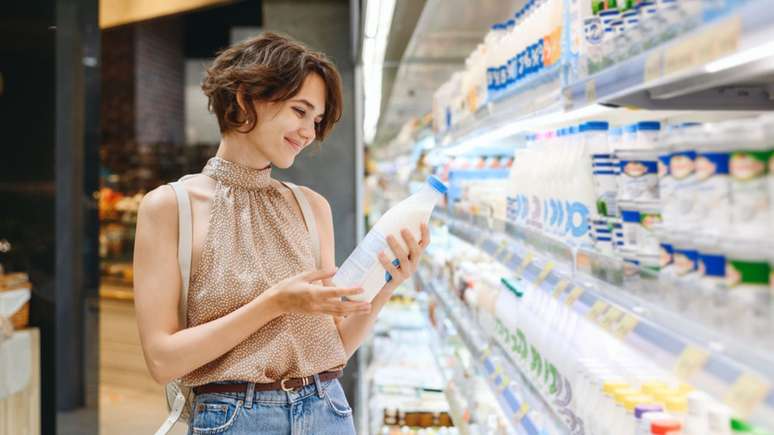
{"x": 231, "y": 173}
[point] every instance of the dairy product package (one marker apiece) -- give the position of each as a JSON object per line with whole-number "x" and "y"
{"x": 362, "y": 268}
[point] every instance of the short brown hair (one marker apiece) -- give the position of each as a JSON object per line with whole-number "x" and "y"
{"x": 271, "y": 68}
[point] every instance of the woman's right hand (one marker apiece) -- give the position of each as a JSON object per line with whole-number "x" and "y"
{"x": 300, "y": 294}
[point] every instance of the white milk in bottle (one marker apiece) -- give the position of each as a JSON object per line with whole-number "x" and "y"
{"x": 362, "y": 268}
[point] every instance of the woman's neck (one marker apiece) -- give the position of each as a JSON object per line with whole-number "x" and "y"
{"x": 236, "y": 148}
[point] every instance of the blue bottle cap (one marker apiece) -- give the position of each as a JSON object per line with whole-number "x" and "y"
{"x": 437, "y": 184}
{"x": 649, "y": 125}
{"x": 596, "y": 126}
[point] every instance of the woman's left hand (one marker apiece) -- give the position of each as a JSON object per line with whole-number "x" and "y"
{"x": 409, "y": 261}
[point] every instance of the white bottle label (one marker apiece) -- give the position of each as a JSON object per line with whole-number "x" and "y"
{"x": 354, "y": 270}
{"x": 749, "y": 192}
{"x": 712, "y": 190}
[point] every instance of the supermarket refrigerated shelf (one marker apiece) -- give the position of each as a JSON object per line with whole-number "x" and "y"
{"x": 737, "y": 376}
{"x": 494, "y": 362}
{"x": 726, "y": 63}
{"x": 507, "y": 110}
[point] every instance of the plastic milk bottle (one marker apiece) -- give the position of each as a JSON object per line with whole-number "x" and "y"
{"x": 362, "y": 268}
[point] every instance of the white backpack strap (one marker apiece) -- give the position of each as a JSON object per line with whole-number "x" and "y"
{"x": 311, "y": 222}
{"x": 184, "y": 246}
{"x": 176, "y": 398}
{"x": 176, "y": 409}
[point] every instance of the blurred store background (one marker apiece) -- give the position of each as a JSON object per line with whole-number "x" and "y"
{"x": 600, "y": 265}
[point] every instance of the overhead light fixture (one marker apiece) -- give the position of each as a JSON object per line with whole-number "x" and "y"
{"x": 377, "y": 25}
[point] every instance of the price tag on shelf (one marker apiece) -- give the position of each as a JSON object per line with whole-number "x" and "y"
{"x": 505, "y": 381}
{"x": 521, "y": 412}
{"x": 625, "y": 326}
{"x": 748, "y": 392}
{"x": 591, "y": 91}
{"x": 560, "y": 287}
{"x": 690, "y": 361}
{"x": 573, "y": 296}
{"x": 501, "y": 247}
{"x": 653, "y": 66}
{"x": 524, "y": 263}
{"x": 712, "y": 43}
{"x": 596, "y": 310}
{"x": 611, "y": 317}
{"x": 544, "y": 273}
{"x": 480, "y": 240}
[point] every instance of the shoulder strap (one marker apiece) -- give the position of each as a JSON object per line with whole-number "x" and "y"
{"x": 184, "y": 246}
{"x": 311, "y": 222}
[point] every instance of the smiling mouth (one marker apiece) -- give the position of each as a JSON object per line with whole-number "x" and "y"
{"x": 295, "y": 145}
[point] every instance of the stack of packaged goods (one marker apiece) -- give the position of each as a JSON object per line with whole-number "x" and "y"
{"x": 594, "y": 381}
{"x": 615, "y": 30}
{"x": 689, "y": 203}
{"x": 406, "y": 389}
{"x": 513, "y": 51}
{"x": 478, "y": 184}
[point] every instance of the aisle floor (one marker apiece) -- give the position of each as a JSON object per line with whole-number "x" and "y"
{"x": 130, "y": 401}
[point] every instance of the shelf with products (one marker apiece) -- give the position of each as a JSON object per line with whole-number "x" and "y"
{"x": 686, "y": 55}
{"x": 525, "y": 410}
{"x": 473, "y": 406}
{"x": 405, "y": 391}
{"x": 719, "y": 56}
{"x": 729, "y": 371}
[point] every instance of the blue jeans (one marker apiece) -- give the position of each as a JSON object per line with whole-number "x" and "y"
{"x": 319, "y": 408}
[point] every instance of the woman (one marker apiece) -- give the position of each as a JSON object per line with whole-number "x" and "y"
{"x": 267, "y": 332}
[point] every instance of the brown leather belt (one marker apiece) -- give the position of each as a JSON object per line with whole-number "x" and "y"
{"x": 284, "y": 385}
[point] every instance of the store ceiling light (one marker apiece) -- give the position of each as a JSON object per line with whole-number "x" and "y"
{"x": 371, "y": 25}
{"x": 376, "y": 29}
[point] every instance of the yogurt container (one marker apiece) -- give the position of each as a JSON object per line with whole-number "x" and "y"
{"x": 649, "y": 221}
{"x": 712, "y": 285}
{"x": 712, "y": 202}
{"x": 748, "y": 170}
{"x": 647, "y": 134}
{"x": 639, "y": 175}
{"x": 630, "y": 225}
{"x": 682, "y": 170}
{"x": 748, "y": 277}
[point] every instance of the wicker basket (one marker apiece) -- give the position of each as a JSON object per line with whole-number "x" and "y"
{"x": 14, "y": 281}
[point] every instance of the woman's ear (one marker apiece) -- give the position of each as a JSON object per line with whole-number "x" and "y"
{"x": 240, "y": 98}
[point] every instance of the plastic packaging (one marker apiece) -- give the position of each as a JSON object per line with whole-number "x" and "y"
{"x": 362, "y": 268}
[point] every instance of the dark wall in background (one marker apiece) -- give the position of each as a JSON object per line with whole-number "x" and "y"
{"x": 142, "y": 87}
{"x": 118, "y": 71}
{"x": 27, "y": 65}
{"x": 159, "y": 81}
{"x": 49, "y": 53}
{"x": 208, "y": 31}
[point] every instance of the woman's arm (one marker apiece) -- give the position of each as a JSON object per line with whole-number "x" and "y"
{"x": 170, "y": 351}
{"x": 354, "y": 329}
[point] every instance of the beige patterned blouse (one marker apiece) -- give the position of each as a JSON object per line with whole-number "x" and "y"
{"x": 256, "y": 239}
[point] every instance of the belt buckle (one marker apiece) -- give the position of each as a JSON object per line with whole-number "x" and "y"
{"x": 284, "y": 388}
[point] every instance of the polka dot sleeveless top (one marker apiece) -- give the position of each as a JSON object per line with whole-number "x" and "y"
{"x": 256, "y": 239}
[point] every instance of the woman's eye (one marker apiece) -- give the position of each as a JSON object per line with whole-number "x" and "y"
{"x": 300, "y": 112}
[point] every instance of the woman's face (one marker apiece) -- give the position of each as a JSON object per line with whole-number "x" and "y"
{"x": 285, "y": 128}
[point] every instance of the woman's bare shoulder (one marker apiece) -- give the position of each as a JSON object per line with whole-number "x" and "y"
{"x": 319, "y": 203}
{"x": 159, "y": 204}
